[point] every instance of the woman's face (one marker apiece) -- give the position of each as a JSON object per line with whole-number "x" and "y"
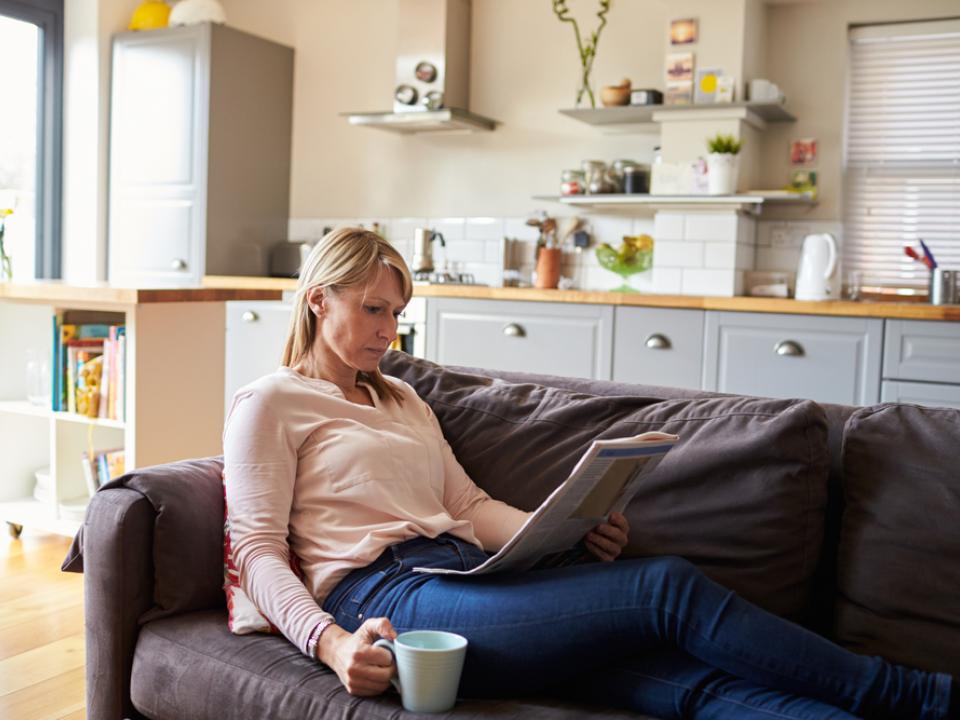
{"x": 356, "y": 325}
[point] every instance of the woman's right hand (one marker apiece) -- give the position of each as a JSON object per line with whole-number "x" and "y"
{"x": 363, "y": 669}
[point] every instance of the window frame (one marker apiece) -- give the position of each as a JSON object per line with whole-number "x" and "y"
{"x": 48, "y": 16}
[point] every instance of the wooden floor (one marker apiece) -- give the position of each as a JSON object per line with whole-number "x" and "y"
{"x": 41, "y": 630}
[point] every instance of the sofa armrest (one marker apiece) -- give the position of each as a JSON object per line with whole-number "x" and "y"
{"x": 117, "y": 546}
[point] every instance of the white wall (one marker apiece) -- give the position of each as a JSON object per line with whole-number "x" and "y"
{"x": 524, "y": 68}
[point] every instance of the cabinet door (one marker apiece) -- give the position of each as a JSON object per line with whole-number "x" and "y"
{"x": 550, "y": 338}
{"x": 158, "y": 120}
{"x": 658, "y": 346}
{"x": 256, "y": 332}
{"x": 932, "y": 394}
{"x": 922, "y": 350}
{"x": 828, "y": 359}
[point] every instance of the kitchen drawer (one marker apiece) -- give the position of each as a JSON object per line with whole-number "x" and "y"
{"x": 256, "y": 333}
{"x": 933, "y": 394}
{"x": 922, "y": 350}
{"x": 551, "y": 338}
{"x": 829, "y": 359}
{"x": 658, "y": 346}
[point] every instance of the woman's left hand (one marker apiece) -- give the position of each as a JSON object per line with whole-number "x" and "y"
{"x": 608, "y": 539}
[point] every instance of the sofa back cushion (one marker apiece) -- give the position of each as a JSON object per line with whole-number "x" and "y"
{"x": 742, "y": 494}
{"x": 899, "y": 555}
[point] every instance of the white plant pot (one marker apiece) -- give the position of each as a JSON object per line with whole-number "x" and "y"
{"x": 722, "y": 171}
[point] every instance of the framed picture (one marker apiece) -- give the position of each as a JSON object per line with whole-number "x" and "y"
{"x": 679, "y": 67}
{"x": 679, "y": 93}
{"x": 683, "y": 32}
{"x": 803, "y": 152}
{"x": 725, "y": 89}
{"x": 705, "y": 90}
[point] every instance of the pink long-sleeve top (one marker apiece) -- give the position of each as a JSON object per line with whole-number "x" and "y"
{"x": 338, "y": 482}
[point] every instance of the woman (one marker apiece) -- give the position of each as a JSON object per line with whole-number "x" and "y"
{"x": 350, "y": 469}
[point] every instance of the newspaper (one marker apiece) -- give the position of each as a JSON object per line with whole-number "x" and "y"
{"x": 604, "y": 481}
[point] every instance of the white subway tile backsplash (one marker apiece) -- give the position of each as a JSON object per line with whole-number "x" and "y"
{"x": 644, "y": 226}
{"x": 720, "y": 255}
{"x": 610, "y": 229}
{"x": 452, "y": 229}
{"x": 517, "y": 228}
{"x": 746, "y": 257}
{"x": 668, "y": 281}
{"x": 484, "y": 228}
{"x": 668, "y": 226}
{"x": 710, "y": 226}
{"x": 746, "y": 230}
{"x": 669, "y": 253}
{"x": 712, "y": 282}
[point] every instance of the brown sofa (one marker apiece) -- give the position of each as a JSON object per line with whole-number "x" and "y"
{"x": 845, "y": 519}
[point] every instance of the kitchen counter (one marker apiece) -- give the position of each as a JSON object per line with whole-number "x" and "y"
{"x": 58, "y": 292}
{"x": 900, "y": 310}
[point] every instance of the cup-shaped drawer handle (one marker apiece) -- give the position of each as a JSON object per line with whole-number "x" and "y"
{"x": 514, "y": 330}
{"x": 658, "y": 342}
{"x": 789, "y": 348}
{"x": 178, "y": 264}
{"x": 249, "y": 316}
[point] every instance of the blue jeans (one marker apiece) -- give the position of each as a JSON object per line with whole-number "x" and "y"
{"x": 651, "y": 635}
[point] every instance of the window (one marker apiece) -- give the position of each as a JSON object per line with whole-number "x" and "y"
{"x": 902, "y": 165}
{"x": 31, "y": 68}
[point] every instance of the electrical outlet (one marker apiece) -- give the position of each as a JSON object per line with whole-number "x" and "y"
{"x": 780, "y": 237}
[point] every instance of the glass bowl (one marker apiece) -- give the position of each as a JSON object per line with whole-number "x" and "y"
{"x": 634, "y": 256}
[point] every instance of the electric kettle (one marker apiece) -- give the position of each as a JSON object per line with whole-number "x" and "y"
{"x": 818, "y": 276}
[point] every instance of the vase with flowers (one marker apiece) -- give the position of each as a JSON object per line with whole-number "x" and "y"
{"x": 586, "y": 46}
{"x": 6, "y": 266}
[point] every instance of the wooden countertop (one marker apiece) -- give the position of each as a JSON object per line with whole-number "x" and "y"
{"x": 900, "y": 310}
{"x": 57, "y": 292}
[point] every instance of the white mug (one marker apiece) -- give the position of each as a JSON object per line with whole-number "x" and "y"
{"x": 429, "y": 663}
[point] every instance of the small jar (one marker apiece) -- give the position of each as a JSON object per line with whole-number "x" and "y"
{"x": 594, "y": 173}
{"x": 572, "y": 182}
{"x": 636, "y": 179}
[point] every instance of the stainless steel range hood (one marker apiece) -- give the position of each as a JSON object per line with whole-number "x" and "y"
{"x": 432, "y": 72}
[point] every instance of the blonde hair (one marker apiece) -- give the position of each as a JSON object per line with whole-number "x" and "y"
{"x": 345, "y": 257}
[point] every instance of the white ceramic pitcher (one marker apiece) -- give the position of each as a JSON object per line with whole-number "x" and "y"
{"x": 818, "y": 276}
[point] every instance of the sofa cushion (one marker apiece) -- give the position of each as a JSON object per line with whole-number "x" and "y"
{"x": 187, "y": 497}
{"x": 899, "y": 554}
{"x": 191, "y": 666}
{"x": 742, "y": 494}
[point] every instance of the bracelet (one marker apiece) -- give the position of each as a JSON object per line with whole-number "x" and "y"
{"x": 314, "y": 638}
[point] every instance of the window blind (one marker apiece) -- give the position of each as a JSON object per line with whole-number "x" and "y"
{"x": 902, "y": 150}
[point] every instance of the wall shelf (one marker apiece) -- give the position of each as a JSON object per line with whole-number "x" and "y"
{"x": 654, "y": 114}
{"x": 749, "y": 202}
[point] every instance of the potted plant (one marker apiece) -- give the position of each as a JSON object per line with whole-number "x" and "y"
{"x": 723, "y": 164}
{"x": 586, "y": 47}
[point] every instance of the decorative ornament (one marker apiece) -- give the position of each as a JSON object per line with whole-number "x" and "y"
{"x": 588, "y": 49}
{"x": 150, "y": 15}
{"x": 191, "y": 12}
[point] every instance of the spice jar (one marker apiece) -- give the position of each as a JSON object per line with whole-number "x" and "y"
{"x": 636, "y": 179}
{"x": 572, "y": 182}
{"x": 594, "y": 172}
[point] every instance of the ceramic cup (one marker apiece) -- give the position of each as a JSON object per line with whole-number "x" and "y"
{"x": 429, "y": 663}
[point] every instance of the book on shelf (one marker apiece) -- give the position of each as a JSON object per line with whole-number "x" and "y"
{"x": 102, "y": 467}
{"x": 88, "y": 364}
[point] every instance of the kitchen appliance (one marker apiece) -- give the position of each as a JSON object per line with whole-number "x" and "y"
{"x": 818, "y": 275}
{"x": 286, "y": 258}
{"x": 423, "y": 250}
{"x": 432, "y": 71}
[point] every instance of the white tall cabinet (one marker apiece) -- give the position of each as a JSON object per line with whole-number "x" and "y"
{"x": 200, "y": 127}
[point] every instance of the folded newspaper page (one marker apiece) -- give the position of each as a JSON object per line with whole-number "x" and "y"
{"x": 604, "y": 481}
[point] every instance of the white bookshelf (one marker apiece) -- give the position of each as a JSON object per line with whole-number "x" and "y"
{"x": 174, "y": 392}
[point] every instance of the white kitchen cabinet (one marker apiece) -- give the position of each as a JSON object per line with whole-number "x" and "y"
{"x": 200, "y": 126}
{"x": 538, "y": 337}
{"x": 256, "y": 333}
{"x": 658, "y": 346}
{"x": 921, "y": 363}
{"x": 828, "y": 359}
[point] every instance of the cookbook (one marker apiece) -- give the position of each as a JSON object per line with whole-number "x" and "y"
{"x": 603, "y": 481}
